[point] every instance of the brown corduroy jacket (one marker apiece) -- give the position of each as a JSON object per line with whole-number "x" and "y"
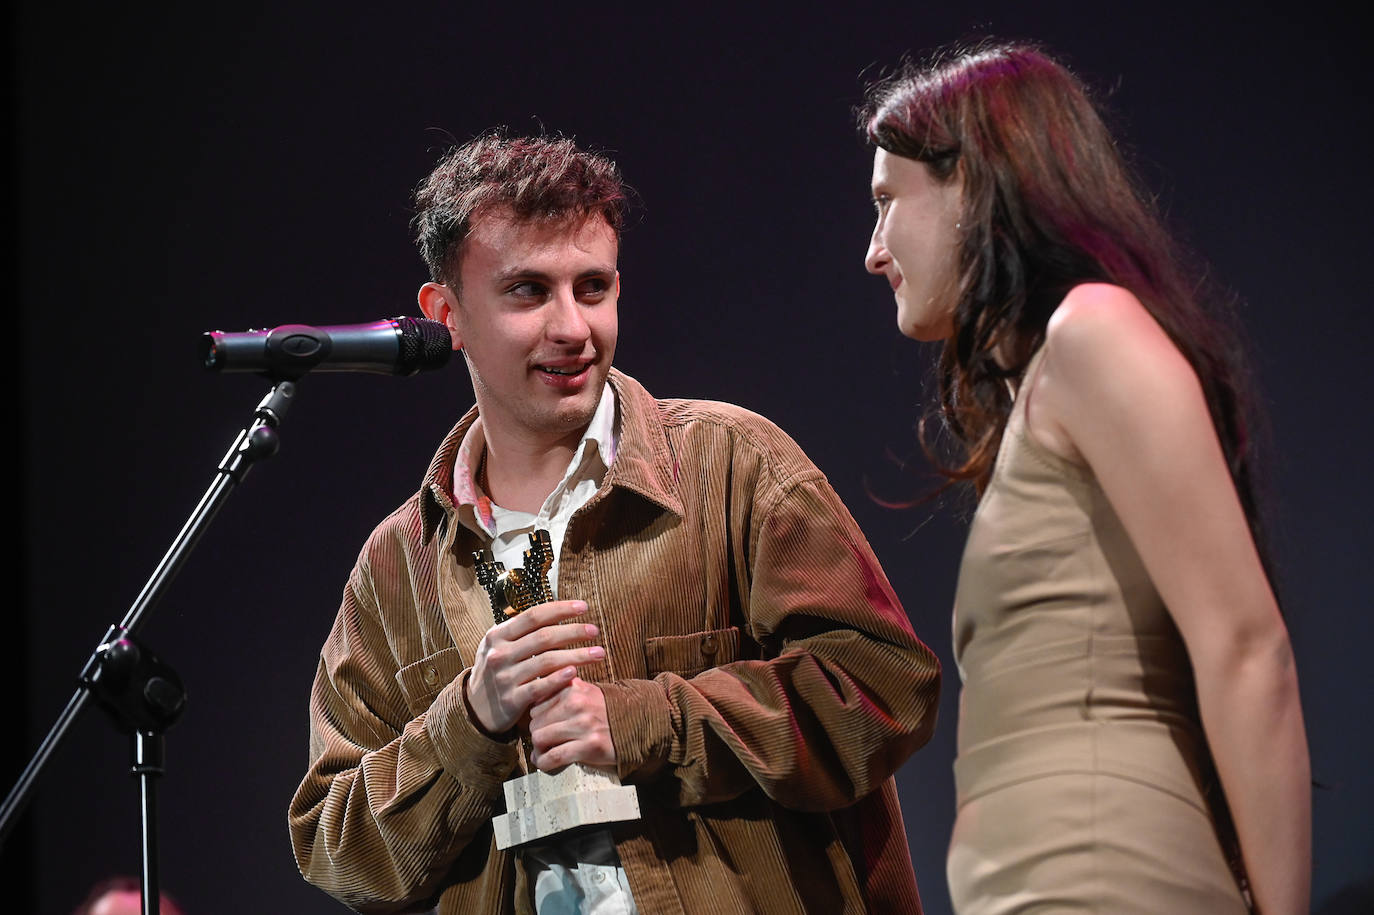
{"x": 762, "y": 683}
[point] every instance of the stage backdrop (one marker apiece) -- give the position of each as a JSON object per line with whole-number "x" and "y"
{"x": 187, "y": 167}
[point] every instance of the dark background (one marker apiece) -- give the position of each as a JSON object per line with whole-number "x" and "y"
{"x": 188, "y": 167}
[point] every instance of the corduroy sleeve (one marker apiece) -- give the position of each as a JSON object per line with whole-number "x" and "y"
{"x": 843, "y": 694}
{"x": 392, "y": 799}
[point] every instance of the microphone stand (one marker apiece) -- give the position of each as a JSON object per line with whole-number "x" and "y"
{"x": 143, "y": 695}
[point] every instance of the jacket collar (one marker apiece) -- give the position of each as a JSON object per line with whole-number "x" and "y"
{"x": 644, "y": 462}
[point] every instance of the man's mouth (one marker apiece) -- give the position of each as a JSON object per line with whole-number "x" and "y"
{"x": 564, "y": 370}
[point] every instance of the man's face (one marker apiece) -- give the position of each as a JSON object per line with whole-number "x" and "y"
{"x": 535, "y": 315}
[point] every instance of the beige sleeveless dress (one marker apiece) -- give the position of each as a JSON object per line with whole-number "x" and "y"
{"x": 1083, "y": 777}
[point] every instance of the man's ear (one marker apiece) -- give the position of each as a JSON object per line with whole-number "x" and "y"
{"x": 436, "y": 303}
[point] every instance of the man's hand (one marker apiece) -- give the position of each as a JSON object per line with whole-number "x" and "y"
{"x": 570, "y": 726}
{"x": 525, "y": 660}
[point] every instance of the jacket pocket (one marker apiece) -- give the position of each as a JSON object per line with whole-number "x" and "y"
{"x": 420, "y": 682}
{"x": 688, "y": 655}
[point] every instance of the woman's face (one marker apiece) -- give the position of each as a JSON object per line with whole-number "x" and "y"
{"x": 915, "y": 243}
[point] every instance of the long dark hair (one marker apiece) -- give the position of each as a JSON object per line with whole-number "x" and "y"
{"x": 1048, "y": 202}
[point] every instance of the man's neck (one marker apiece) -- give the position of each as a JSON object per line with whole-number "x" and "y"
{"x": 518, "y": 473}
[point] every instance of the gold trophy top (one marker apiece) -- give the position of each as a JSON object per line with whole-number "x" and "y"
{"x": 514, "y": 590}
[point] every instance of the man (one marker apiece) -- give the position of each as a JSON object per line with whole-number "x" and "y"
{"x": 121, "y": 895}
{"x": 724, "y": 638}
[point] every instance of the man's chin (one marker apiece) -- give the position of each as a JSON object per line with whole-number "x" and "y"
{"x": 577, "y": 409}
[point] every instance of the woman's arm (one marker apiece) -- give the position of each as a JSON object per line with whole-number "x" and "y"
{"x": 1115, "y": 393}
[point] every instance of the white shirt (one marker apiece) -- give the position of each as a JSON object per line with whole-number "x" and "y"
{"x": 579, "y": 873}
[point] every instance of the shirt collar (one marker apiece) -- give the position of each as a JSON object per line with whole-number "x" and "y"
{"x": 599, "y": 439}
{"x": 644, "y": 463}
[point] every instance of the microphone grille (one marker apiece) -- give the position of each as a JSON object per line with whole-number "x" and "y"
{"x": 425, "y": 345}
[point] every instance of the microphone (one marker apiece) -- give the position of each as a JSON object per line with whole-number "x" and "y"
{"x": 395, "y": 346}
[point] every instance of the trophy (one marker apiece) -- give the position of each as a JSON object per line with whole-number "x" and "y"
{"x": 541, "y": 804}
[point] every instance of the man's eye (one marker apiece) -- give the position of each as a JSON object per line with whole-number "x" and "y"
{"x": 880, "y": 202}
{"x": 527, "y": 290}
{"x": 593, "y": 288}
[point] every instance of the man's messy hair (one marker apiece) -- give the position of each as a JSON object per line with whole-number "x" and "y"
{"x": 535, "y": 178}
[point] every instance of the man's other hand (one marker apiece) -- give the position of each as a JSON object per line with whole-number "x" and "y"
{"x": 570, "y": 726}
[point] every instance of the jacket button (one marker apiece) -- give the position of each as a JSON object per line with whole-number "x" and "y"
{"x": 431, "y": 675}
{"x": 709, "y": 645}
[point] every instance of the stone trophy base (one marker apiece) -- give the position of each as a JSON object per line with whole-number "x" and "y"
{"x": 541, "y": 804}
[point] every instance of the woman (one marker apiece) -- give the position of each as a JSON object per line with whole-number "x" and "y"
{"x": 1121, "y": 647}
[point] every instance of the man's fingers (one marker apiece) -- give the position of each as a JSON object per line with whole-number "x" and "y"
{"x": 545, "y": 663}
{"x": 515, "y": 656}
{"x": 546, "y": 688}
{"x": 552, "y": 753}
{"x": 539, "y": 616}
{"x": 551, "y": 637}
{"x": 548, "y": 734}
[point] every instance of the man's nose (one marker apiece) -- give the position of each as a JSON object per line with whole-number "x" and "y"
{"x": 567, "y": 323}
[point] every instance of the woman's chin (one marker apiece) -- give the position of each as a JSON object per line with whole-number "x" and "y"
{"x": 925, "y": 333}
